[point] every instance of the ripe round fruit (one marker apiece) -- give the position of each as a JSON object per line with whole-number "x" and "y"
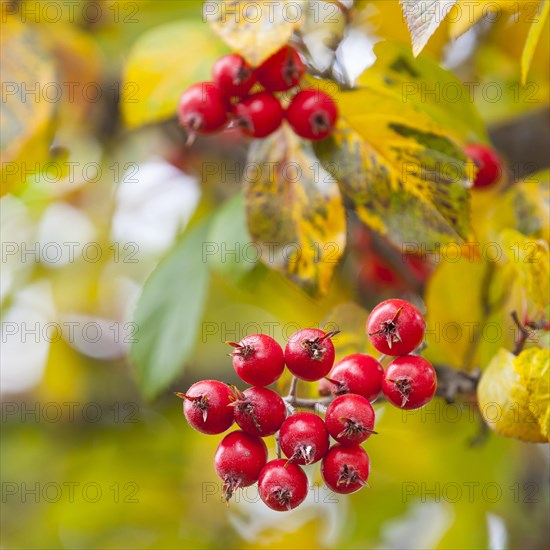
{"x": 258, "y": 115}
{"x": 233, "y": 76}
{"x": 312, "y": 114}
{"x": 350, "y": 419}
{"x": 202, "y": 109}
{"x": 206, "y": 406}
{"x": 304, "y": 438}
{"x": 357, "y": 373}
{"x": 409, "y": 382}
{"x": 488, "y": 163}
{"x": 258, "y": 359}
{"x": 259, "y": 411}
{"x": 282, "y": 485}
{"x": 239, "y": 459}
{"x": 309, "y": 354}
{"x": 282, "y": 71}
{"x": 345, "y": 469}
{"x": 395, "y": 327}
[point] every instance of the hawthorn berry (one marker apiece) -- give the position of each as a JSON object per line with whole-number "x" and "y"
{"x": 258, "y": 115}
{"x": 282, "y": 71}
{"x": 282, "y": 485}
{"x": 259, "y": 411}
{"x": 304, "y": 438}
{"x": 395, "y": 327}
{"x": 233, "y": 76}
{"x": 206, "y": 406}
{"x": 258, "y": 359}
{"x": 345, "y": 469}
{"x": 312, "y": 114}
{"x": 202, "y": 109}
{"x": 350, "y": 419}
{"x": 488, "y": 163}
{"x": 309, "y": 354}
{"x": 357, "y": 373}
{"x": 239, "y": 460}
{"x": 409, "y": 382}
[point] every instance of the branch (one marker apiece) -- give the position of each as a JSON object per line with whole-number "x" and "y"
{"x": 524, "y": 334}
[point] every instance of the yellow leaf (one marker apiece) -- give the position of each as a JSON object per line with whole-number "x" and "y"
{"x": 513, "y": 394}
{"x": 294, "y": 210}
{"x": 533, "y": 39}
{"x": 255, "y": 29}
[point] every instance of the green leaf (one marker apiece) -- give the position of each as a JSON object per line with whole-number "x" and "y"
{"x": 295, "y": 211}
{"x": 169, "y": 312}
{"x": 423, "y": 17}
{"x": 533, "y": 38}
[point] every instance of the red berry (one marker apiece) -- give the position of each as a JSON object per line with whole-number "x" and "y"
{"x": 357, "y": 373}
{"x": 282, "y": 71}
{"x": 202, "y": 109}
{"x": 258, "y": 359}
{"x": 258, "y": 115}
{"x": 239, "y": 459}
{"x": 206, "y": 406}
{"x": 312, "y": 114}
{"x": 345, "y": 469}
{"x": 309, "y": 354}
{"x": 409, "y": 382}
{"x": 282, "y": 486}
{"x": 259, "y": 411}
{"x": 324, "y": 387}
{"x": 350, "y": 419}
{"x": 304, "y": 438}
{"x": 395, "y": 327}
{"x": 488, "y": 163}
{"x": 233, "y": 76}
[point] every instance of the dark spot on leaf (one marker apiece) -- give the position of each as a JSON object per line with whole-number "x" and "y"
{"x": 402, "y": 65}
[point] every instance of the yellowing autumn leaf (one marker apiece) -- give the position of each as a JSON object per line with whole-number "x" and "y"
{"x": 255, "y": 29}
{"x": 294, "y": 210}
{"x": 513, "y": 394}
{"x": 533, "y": 38}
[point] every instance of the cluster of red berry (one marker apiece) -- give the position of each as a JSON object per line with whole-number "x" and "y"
{"x": 207, "y": 107}
{"x": 395, "y": 327}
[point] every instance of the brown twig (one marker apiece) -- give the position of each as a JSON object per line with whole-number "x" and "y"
{"x": 524, "y": 334}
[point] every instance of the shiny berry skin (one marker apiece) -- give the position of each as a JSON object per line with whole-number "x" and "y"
{"x": 309, "y": 354}
{"x": 282, "y": 485}
{"x": 282, "y": 71}
{"x": 350, "y": 419}
{"x": 258, "y": 115}
{"x": 312, "y": 114}
{"x": 206, "y": 406}
{"x": 395, "y": 327}
{"x": 233, "y": 76}
{"x": 258, "y": 359}
{"x": 259, "y": 411}
{"x": 488, "y": 163}
{"x": 304, "y": 438}
{"x": 357, "y": 373}
{"x": 238, "y": 461}
{"x": 345, "y": 469}
{"x": 202, "y": 109}
{"x": 409, "y": 382}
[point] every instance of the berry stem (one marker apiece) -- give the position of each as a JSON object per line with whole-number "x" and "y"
{"x": 292, "y": 390}
{"x": 524, "y": 334}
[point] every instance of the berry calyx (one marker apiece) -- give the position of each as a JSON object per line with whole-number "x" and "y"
{"x": 350, "y": 419}
{"x": 233, "y": 76}
{"x": 395, "y": 327}
{"x": 282, "y": 486}
{"x": 304, "y": 438}
{"x": 312, "y": 114}
{"x": 258, "y": 359}
{"x": 202, "y": 109}
{"x": 357, "y": 373}
{"x": 488, "y": 163}
{"x": 259, "y": 411}
{"x": 206, "y": 406}
{"x": 239, "y": 460}
{"x": 309, "y": 353}
{"x": 409, "y": 382}
{"x": 258, "y": 115}
{"x": 282, "y": 71}
{"x": 345, "y": 470}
